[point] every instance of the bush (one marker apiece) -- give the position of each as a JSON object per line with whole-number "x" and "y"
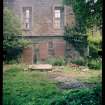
{"x": 12, "y": 55}
{"x": 80, "y": 61}
{"x": 95, "y": 44}
{"x": 94, "y": 64}
{"x": 58, "y": 61}
{"x": 12, "y": 44}
{"x": 11, "y": 62}
{"x": 80, "y": 97}
{"x": 11, "y": 29}
{"x": 93, "y": 50}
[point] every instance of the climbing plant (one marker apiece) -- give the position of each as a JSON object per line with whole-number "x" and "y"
{"x": 78, "y": 40}
{"x": 88, "y": 14}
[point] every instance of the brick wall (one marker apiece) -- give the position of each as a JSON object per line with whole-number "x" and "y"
{"x": 59, "y": 48}
{"x": 27, "y": 55}
{"x": 43, "y": 51}
{"x": 42, "y": 16}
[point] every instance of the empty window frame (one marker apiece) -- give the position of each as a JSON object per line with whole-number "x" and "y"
{"x": 58, "y": 17}
{"x": 27, "y": 17}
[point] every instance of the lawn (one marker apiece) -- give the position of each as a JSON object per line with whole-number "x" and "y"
{"x": 35, "y": 88}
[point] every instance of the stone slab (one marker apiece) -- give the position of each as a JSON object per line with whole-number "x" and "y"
{"x": 40, "y": 67}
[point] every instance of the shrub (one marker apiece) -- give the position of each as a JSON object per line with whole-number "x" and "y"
{"x": 80, "y": 97}
{"x": 12, "y": 55}
{"x": 95, "y": 44}
{"x": 11, "y": 62}
{"x": 94, "y": 64}
{"x": 58, "y": 61}
{"x": 80, "y": 61}
{"x": 11, "y": 29}
{"x": 93, "y": 50}
{"x": 12, "y": 44}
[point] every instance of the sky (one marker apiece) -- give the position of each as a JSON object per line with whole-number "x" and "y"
{"x": 94, "y": 1}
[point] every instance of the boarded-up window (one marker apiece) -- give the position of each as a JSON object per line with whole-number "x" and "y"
{"x": 27, "y": 17}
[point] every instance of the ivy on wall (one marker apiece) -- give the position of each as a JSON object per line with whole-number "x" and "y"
{"x": 78, "y": 40}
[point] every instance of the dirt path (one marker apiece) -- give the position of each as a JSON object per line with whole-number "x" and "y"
{"x": 66, "y": 81}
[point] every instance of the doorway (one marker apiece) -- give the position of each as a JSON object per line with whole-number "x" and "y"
{"x": 36, "y": 54}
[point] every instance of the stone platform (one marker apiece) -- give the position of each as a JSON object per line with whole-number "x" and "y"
{"x": 41, "y": 67}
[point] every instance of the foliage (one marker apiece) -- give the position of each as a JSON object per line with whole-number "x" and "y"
{"x": 77, "y": 39}
{"x": 24, "y": 43}
{"x": 87, "y": 13}
{"x": 11, "y": 28}
{"x": 94, "y": 64}
{"x": 73, "y": 31}
{"x": 56, "y": 61}
{"x": 28, "y": 88}
{"x": 78, "y": 97}
{"x": 34, "y": 88}
{"x": 12, "y": 55}
{"x": 80, "y": 61}
{"x": 95, "y": 44}
{"x": 96, "y": 38}
{"x": 12, "y": 45}
{"x": 93, "y": 50}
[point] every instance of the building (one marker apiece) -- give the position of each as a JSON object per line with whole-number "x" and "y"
{"x": 43, "y": 22}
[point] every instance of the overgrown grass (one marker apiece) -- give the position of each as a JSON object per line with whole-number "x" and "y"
{"x": 27, "y": 88}
{"x": 80, "y": 97}
{"x": 34, "y": 88}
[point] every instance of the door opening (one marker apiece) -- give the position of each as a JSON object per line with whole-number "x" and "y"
{"x": 36, "y": 54}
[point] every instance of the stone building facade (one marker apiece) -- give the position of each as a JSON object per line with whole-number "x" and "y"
{"x": 43, "y": 22}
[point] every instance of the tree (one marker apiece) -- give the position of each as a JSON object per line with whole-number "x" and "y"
{"x": 12, "y": 45}
{"x": 11, "y": 28}
{"x": 88, "y": 13}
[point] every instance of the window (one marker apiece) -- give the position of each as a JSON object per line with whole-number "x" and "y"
{"x": 58, "y": 17}
{"x": 57, "y": 13}
{"x": 27, "y": 17}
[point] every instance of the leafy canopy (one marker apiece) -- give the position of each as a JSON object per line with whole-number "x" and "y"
{"x": 12, "y": 44}
{"x": 11, "y": 28}
{"x": 88, "y": 13}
